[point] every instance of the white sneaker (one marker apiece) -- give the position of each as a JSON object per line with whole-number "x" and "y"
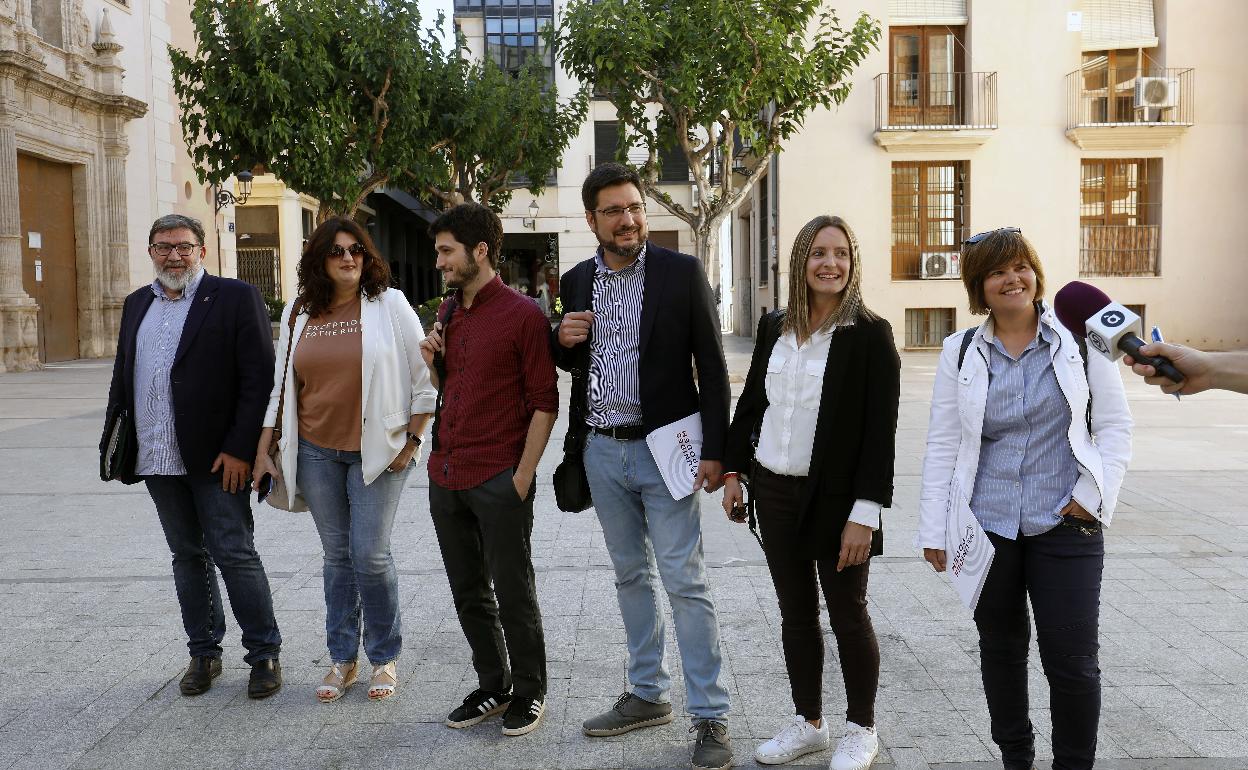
{"x": 857, "y": 750}
{"x": 797, "y": 739}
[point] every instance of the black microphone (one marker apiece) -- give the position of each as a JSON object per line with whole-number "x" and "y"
{"x": 1109, "y": 327}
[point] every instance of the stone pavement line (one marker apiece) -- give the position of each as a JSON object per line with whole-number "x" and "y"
{"x": 92, "y": 645}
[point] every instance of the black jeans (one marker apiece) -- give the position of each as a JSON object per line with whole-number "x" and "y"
{"x": 205, "y": 526}
{"x": 1061, "y": 572}
{"x": 797, "y": 584}
{"x": 484, "y": 536}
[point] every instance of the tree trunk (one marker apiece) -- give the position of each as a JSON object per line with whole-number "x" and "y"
{"x": 706, "y": 249}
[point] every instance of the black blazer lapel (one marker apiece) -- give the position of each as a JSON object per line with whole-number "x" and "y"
{"x": 652, "y": 294}
{"x": 205, "y": 299}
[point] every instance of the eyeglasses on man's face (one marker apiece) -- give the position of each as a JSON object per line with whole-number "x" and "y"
{"x": 980, "y": 236}
{"x": 355, "y": 250}
{"x": 165, "y": 249}
{"x": 615, "y": 212}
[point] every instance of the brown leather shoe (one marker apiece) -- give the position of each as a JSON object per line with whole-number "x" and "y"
{"x": 266, "y": 678}
{"x": 199, "y": 675}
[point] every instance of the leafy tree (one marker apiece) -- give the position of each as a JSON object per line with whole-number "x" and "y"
{"x": 495, "y": 131}
{"x": 338, "y": 99}
{"x": 331, "y": 97}
{"x": 712, "y": 77}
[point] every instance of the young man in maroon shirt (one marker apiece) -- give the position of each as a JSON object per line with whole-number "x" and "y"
{"x": 490, "y": 358}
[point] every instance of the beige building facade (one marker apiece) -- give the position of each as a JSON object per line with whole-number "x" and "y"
{"x": 1112, "y": 132}
{"x": 91, "y": 152}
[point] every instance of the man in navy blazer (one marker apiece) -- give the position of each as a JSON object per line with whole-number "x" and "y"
{"x": 639, "y": 319}
{"x": 194, "y": 369}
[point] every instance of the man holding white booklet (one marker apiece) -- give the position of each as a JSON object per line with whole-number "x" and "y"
{"x": 638, "y": 319}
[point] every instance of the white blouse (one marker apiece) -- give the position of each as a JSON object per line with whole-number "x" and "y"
{"x": 794, "y": 386}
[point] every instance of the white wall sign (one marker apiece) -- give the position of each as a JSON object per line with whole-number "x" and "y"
{"x": 34, "y": 239}
{"x": 1074, "y": 21}
{"x": 39, "y": 271}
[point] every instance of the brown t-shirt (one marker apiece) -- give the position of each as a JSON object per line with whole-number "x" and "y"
{"x": 328, "y": 375}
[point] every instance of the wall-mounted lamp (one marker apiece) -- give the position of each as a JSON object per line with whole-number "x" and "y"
{"x": 531, "y": 220}
{"x": 225, "y": 197}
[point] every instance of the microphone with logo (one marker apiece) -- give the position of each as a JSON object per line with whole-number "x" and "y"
{"x": 1110, "y": 328}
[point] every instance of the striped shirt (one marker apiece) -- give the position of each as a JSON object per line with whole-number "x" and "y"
{"x": 1027, "y": 469}
{"x": 155, "y": 348}
{"x": 615, "y": 351}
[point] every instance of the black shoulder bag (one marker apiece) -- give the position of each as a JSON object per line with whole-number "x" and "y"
{"x": 572, "y": 493}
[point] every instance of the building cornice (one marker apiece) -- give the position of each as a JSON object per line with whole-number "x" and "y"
{"x": 28, "y": 74}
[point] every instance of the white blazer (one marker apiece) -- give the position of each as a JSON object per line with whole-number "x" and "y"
{"x": 955, "y": 429}
{"x": 395, "y": 384}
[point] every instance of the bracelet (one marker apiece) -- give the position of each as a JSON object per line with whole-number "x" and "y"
{"x": 729, "y": 475}
{"x": 413, "y": 438}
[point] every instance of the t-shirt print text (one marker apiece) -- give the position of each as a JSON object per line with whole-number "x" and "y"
{"x": 332, "y": 328}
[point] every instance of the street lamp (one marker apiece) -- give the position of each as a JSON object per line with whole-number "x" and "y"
{"x": 531, "y": 220}
{"x": 225, "y": 197}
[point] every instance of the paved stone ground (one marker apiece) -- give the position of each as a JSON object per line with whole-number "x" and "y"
{"x": 91, "y": 646}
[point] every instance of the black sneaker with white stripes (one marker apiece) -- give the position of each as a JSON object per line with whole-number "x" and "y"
{"x": 478, "y": 706}
{"x": 523, "y": 716}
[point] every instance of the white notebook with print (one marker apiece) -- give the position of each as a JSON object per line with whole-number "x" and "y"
{"x": 677, "y": 449}
{"x": 968, "y": 552}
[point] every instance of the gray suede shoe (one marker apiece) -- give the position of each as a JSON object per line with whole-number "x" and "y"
{"x": 713, "y": 750}
{"x": 628, "y": 713}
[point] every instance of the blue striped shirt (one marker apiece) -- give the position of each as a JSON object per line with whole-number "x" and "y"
{"x": 615, "y": 351}
{"x": 1027, "y": 469}
{"x": 155, "y": 348}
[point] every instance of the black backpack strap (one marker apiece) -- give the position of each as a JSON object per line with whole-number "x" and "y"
{"x": 967, "y": 337}
{"x": 439, "y": 366}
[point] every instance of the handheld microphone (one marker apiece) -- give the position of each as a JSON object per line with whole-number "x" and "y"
{"x": 1110, "y": 328}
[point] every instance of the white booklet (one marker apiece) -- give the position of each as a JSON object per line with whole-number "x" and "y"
{"x": 968, "y": 552}
{"x": 677, "y": 449}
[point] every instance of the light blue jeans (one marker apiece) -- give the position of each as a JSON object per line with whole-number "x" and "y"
{"x": 644, "y": 528}
{"x": 354, "y": 521}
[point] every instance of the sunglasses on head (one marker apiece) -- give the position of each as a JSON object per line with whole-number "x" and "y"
{"x": 356, "y": 249}
{"x": 980, "y": 236}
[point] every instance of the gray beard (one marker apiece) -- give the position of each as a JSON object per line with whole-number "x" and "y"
{"x": 175, "y": 282}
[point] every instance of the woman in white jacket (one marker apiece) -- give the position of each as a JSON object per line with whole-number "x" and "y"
{"x": 1012, "y": 436}
{"x": 357, "y": 397}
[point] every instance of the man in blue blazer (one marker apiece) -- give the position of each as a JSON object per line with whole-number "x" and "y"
{"x": 640, "y": 319}
{"x": 194, "y": 369}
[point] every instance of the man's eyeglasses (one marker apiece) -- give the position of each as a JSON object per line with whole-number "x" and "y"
{"x": 615, "y": 212}
{"x": 165, "y": 249}
{"x": 355, "y": 250}
{"x": 980, "y": 236}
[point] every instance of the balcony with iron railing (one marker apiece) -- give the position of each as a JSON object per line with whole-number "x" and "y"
{"x": 1129, "y": 108}
{"x": 934, "y": 110}
{"x": 1119, "y": 250}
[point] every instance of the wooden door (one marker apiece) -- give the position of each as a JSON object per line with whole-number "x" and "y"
{"x": 49, "y": 253}
{"x": 926, "y": 76}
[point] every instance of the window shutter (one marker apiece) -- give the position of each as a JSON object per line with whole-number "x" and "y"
{"x": 912, "y": 12}
{"x": 1117, "y": 24}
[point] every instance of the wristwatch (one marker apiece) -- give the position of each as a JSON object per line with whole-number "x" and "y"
{"x": 414, "y": 438}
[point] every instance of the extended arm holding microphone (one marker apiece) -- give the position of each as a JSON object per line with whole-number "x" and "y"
{"x": 1201, "y": 370}
{"x": 1111, "y": 329}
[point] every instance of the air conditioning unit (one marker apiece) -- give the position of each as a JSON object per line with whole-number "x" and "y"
{"x": 941, "y": 264}
{"x": 1156, "y": 92}
{"x": 697, "y": 197}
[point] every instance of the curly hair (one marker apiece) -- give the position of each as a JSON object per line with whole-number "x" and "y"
{"x": 316, "y": 288}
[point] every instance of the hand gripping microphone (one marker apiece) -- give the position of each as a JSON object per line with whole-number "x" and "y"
{"x": 1110, "y": 328}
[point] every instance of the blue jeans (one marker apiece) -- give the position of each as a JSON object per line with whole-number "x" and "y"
{"x": 205, "y": 525}
{"x": 354, "y": 521}
{"x": 644, "y": 528}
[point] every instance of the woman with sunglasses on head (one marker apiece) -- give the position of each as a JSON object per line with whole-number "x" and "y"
{"x": 357, "y": 397}
{"x": 1012, "y": 435}
{"x": 814, "y": 429}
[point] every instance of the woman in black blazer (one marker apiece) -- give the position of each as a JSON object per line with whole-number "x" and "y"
{"x": 814, "y": 430}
